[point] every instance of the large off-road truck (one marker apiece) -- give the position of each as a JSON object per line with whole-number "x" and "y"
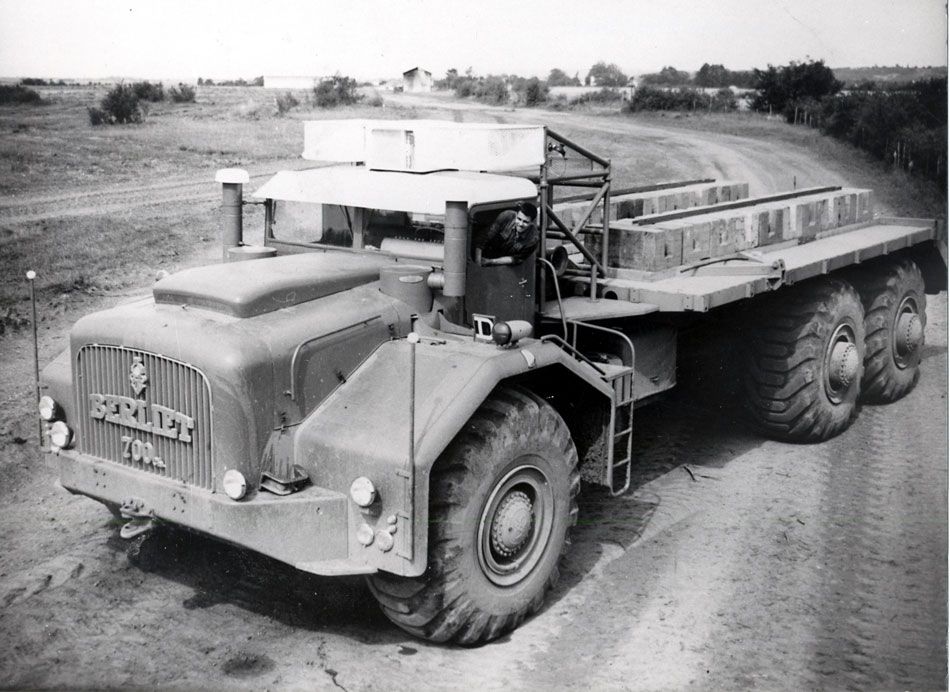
{"x": 364, "y": 394}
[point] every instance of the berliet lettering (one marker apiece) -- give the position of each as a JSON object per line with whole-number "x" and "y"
{"x": 135, "y": 413}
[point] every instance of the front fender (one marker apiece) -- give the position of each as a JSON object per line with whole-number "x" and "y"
{"x": 362, "y": 429}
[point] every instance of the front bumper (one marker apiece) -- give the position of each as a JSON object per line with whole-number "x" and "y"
{"x": 307, "y": 529}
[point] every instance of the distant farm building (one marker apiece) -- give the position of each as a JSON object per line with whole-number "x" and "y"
{"x": 285, "y": 82}
{"x": 417, "y": 80}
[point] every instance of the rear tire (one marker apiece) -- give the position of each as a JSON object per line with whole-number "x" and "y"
{"x": 503, "y": 498}
{"x": 805, "y": 363}
{"x": 895, "y": 315}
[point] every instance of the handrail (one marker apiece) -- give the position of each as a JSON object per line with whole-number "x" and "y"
{"x": 557, "y": 292}
{"x": 607, "y": 330}
{"x": 574, "y": 352}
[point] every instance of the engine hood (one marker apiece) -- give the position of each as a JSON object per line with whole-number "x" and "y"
{"x": 256, "y": 287}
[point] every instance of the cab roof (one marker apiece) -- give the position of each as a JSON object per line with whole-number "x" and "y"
{"x": 356, "y": 186}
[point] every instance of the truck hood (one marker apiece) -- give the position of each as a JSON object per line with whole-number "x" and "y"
{"x": 256, "y": 287}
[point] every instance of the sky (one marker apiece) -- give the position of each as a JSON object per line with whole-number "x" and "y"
{"x": 369, "y": 39}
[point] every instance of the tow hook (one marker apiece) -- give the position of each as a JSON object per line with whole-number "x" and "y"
{"x": 140, "y": 520}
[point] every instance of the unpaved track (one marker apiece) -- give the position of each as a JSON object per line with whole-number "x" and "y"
{"x": 104, "y": 200}
{"x": 731, "y": 563}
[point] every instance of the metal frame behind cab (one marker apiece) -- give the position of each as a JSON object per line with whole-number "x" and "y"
{"x": 598, "y": 178}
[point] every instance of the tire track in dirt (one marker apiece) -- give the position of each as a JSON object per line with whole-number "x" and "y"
{"x": 118, "y": 198}
{"x": 878, "y": 628}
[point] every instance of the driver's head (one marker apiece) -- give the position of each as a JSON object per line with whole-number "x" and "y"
{"x": 526, "y": 213}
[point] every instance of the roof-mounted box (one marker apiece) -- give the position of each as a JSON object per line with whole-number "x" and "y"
{"x": 420, "y": 146}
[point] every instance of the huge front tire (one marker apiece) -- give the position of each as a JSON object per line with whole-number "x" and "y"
{"x": 503, "y": 498}
{"x": 895, "y": 315}
{"x": 806, "y": 353}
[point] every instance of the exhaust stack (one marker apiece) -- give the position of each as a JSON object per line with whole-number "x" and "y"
{"x": 456, "y": 255}
{"x": 232, "y": 219}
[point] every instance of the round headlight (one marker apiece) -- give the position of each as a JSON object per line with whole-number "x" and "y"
{"x": 363, "y": 491}
{"x": 49, "y": 409}
{"x": 235, "y": 486}
{"x": 60, "y": 435}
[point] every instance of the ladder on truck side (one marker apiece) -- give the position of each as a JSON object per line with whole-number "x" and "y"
{"x": 618, "y": 372}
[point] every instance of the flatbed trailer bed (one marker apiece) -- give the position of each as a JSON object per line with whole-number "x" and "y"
{"x": 719, "y": 281}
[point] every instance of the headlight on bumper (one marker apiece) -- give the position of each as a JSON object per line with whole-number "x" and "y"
{"x": 49, "y": 409}
{"x": 60, "y": 435}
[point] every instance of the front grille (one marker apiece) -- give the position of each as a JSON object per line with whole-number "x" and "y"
{"x": 160, "y": 424}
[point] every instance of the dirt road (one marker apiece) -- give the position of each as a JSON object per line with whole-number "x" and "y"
{"x": 731, "y": 563}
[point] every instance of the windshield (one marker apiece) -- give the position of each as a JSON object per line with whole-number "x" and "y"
{"x": 358, "y": 227}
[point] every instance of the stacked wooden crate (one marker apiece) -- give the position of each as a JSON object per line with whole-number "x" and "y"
{"x": 638, "y": 204}
{"x": 638, "y": 243}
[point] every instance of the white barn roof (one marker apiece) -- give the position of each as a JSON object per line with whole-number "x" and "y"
{"x": 412, "y": 192}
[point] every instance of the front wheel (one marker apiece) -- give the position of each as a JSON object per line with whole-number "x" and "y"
{"x": 503, "y": 498}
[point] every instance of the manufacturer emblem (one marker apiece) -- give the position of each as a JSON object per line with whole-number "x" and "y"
{"x": 137, "y": 376}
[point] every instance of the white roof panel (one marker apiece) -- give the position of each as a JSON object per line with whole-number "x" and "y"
{"x": 426, "y": 193}
{"x": 424, "y": 145}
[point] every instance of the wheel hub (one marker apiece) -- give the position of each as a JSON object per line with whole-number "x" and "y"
{"x": 908, "y": 334}
{"x": 512, "y": 525}
{"x": 516, "y": 524}
{"x": 844, "y": 365}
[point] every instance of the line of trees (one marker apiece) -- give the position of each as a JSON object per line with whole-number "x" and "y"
{"x": 257, "y": 81}
{"x": 903, "y": 125}
{"x": 707, "y": 77}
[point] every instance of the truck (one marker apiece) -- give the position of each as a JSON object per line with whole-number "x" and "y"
{"x": 364, "y": 394}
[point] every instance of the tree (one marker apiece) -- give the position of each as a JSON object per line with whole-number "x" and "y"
{"x": 450, "y": 81}
{"x": 535, "y": 92}
{"x": 558, "y": 77}
{"x": 602, "y": 74}
{"x": 712, "y": 76}
{"x": 781, "y": 87}
{"x": 668, "y": 76}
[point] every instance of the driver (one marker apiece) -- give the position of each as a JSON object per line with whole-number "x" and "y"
{"x": 512, "y": 236}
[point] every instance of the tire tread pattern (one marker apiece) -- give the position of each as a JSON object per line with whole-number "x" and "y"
{"x": 882, "y": 289}
{"x": 784, "y": 376}
{"x": 434, "y": 606}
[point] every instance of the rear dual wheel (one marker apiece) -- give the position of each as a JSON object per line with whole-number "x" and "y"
{"x": 503, "y": 498}
{"x": 806, "y": 360}
{"x": 895, "y": 315}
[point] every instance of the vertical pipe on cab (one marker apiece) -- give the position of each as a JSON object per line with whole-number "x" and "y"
{"x": 232, "y": 196}
{"x": 456, "y": 256}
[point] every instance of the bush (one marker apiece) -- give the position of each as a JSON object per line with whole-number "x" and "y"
{"x": 906, "y": 127}
{"x": 648, "y": 98}
{"x": 335, "y": 91}
{"x": 375, "y": 101}
{"x": 146, "y": 91}
{"x": 118, "y": 107}
{"x": 493, "y": 90}
{"x": 97, "y": 116}
{"x": 602, "y": 96}
{"x": 183, "y": 93}
{"x": 286, "y": 102}
{"x": 18, "y": 94}
{"x": 535, "y": 92}
{"x": 465, "y": 87}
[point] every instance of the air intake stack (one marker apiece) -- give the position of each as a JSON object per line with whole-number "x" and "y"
{"x": 232, "y": 196}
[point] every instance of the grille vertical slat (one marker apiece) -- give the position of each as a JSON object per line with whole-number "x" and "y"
{"x": 105, "y": 370}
